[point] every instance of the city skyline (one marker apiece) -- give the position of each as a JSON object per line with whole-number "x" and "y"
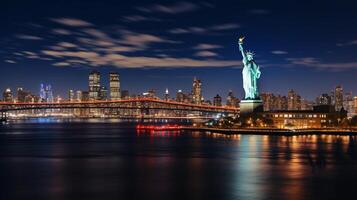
{"x": 159, "y": 45}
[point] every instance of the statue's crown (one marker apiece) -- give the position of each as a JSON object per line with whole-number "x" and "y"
{"x": 251, "y": 53}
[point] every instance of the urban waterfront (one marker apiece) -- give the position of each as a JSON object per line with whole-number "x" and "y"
{"x": 49, "y": 158}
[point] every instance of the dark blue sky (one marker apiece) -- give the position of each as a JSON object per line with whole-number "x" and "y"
{"x": 309, "y": 46}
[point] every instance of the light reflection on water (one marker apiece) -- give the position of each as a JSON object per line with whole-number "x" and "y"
{"x": 113, "y": 160}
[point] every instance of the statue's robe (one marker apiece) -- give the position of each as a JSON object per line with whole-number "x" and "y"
{"x": 250, "y": 74}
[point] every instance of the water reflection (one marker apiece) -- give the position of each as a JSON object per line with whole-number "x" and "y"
{"x": 116, "y": 161}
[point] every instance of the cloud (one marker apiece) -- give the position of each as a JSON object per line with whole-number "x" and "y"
{"x": 205, "y": 54}
{"x": 313, "y": 62}
{"x": 142, "y": 40}
{"x": 67, "y": 45}
{"x": 61, "y": 64}
{"x": 123, "y": 61}
{"x": 28, "y": 37}
{"x": 178, "y": 7}
{"x": 228, "y": 26}
{"x": 353, "y": 42}
{"x": 205, "y": 46}
{"x": 201, "y": 30}
{"x": 10, "y": 61}
{"x": 279, "y": 52}
{"x": 72, "y": 22}
{"x": 139, "y": 18}
{"x": 59, "y": 31}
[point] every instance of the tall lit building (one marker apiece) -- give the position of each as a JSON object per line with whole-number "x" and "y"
{"x": 42, "y": 92}
{"x": 280, "y": 103}
{"x": 79, "y": 95}
{"x": 179, "y": 96}
{"x": 167, "y": 96}
{"x": 324, "y": 99}
{"x": 196, "y": 91}
{"x": 232, "y": 101}
{"x": 338, "y": 97}
{"x": 294, "y": 100}
{"x": 217, "y": 100}
{"x": 268, "y": 101}
{"x": 103, "y": 93}
{"x": 7, "y": 95}
{"x": 71, "y": 95}
{"x": 114, "y": 86}
{"x": 21, "y": 95}
{"x": 94, "y": 85}
{"x": 49, "y": 94}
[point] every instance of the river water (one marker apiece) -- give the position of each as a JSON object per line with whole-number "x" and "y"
{"x": 101, "y": 159}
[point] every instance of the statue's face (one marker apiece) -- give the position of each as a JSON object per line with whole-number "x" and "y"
{"x": 249, "y": 57}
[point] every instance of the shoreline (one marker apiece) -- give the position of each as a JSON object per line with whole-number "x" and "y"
{"x": 265, "y": 131}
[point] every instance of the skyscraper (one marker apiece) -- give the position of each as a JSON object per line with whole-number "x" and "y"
{"x": 232, "y": 101}
{"x": 294, "y": 100}
{"x": 324, "y": 99}
{"x": 114, "y": 86}
{"x": 49, "y": 94}
{"x": 94, "y": 85}
{"x": 79, "y": 96}
{"x": 103, "y": 93}
{"x": 217, "y": 100}
{"x": 167, "y": 96}
{"x": 179, "y": 96}
{"x": 196, "y": 91}
{"x": 338, "y": 97}
{"x": 7, "y": 95}
{"x": 70, "y": 95}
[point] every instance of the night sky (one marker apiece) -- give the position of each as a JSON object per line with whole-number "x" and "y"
{"x": 309, "y": 46}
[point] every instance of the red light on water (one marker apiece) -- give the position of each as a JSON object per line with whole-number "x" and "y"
{"x": 159, "y": 127}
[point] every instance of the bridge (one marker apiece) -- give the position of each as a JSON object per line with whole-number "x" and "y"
{"x": 140, "y": 107}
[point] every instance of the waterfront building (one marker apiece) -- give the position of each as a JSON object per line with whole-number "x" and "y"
{"x": 321, "y": 116}
{"x": 196, "y": 91}
{"x": 338, "y": 98}
{"x": 7, "y": 95}
{"x": 79, "y": 96}
{"x": 217, "y": 100}
{"x": 114, "y": 86}
{"x": 71, "y": 95}
{"x": 94, "y": 85}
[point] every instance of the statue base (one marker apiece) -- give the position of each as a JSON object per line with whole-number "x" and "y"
{"x": 248, "y": 107}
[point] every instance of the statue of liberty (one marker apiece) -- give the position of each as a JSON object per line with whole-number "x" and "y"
{"x": 250, "y": 73}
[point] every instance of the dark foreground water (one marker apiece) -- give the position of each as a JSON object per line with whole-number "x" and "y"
{"x": 98, "y": 160}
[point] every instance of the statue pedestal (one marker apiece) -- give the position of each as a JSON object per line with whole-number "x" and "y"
{"x": 248, "y": 107}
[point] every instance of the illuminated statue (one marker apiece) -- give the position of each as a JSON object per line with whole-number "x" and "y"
{"x": 250, "y": 73}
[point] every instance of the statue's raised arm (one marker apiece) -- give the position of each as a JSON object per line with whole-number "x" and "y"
{"x": 240, "y": 43}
